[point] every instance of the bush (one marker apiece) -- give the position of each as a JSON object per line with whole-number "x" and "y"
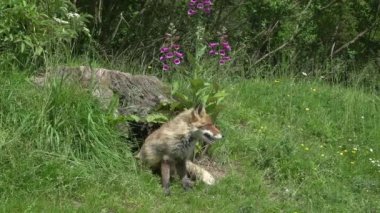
{"x": 32, "y": 30}
{"x": 264, "y": 32}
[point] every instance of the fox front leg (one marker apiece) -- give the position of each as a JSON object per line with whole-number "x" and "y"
{"x": 165, "y": 176}
{"x": 182, "y": 172}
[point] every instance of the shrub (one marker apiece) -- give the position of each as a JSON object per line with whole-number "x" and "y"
{"x": 29, "y": 31}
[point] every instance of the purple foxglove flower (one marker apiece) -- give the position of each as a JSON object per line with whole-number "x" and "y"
{"x": 164, "y": 49}
{"x": 177, "y": 61}
{"x": 169, "y": 55}
{"x": 226, "y": 45}
{"x": 228, "y": 48}
{"x": 200, "y": 5}
{"x": 207, "y": 2}
{"x": 162, "y": 58}
{"x": 191, "y": 12}
{"x": 165, "y": 67}
{"x": 213, "y": 52}
{"x": 192, "y": 2}
{"x": 222, "y": 62}
{"x": 176, "y": 46}
{"x": 213, "y": 44}
{"x": 207, "y": 10}
{"x": 222, "y": 52}
{"x": 178, "y": 54}
{"x": 226, "y": 58}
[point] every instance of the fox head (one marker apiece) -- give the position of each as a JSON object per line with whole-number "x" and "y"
{"x": 203, "y": 125}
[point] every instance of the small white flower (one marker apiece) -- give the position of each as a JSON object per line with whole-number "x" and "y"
{"x": 72, "y": 15}
{"x": 85, "y": 29}
{"x": 286, "y": 190}
{"x": 60, "y": 20}
{"x": 304, "y": 73}
{"x": 362, "y": 117}
{"x": 370, "y": 149}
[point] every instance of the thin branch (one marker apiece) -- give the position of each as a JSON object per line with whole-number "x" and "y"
{"x": 304, "y": 11}
{"x": 272, "y": 52}
{"x": 117, "y": 26}
{"x": 332, "y": 50}
{"x": 266, "y": 31}
{"x": 333, "y": 40}
{"x": 328, "y": 5}
{"x": 100, "y": 11}
{"x": 350, "y": 42}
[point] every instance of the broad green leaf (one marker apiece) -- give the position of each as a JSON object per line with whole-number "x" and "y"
{"x": 22, "y": 47}
{"x": 181, "y": 97}
{"x": 156, "y": 118}
{"x": 38, "y": 51}
{"x": 200, "y": 52}
{"x": 197, "y": 84}
{"x": 134, "y": 118}
{"x": 175, "y": 87}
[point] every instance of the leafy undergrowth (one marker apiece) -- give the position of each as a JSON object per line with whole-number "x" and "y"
{"x": 297, "y": 147}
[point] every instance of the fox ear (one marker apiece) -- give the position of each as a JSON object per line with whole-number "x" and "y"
{"x": 200, "y": 110}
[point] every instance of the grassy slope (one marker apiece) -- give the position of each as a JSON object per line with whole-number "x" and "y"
{"x": 299, "y": 147}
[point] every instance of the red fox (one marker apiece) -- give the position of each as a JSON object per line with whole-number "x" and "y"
{"x": 169, "y": 148}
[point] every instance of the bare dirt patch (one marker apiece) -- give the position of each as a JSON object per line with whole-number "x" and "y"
{"x": 217, "y": 170}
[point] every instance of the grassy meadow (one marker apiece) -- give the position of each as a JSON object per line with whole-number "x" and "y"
{"x": 301, "y": 119}
{"x": 289, "y": 146}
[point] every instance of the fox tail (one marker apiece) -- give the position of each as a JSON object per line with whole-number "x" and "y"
{"x": 200, "y": 173}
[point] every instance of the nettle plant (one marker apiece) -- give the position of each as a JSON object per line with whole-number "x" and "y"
{"x": 195, "y": 89}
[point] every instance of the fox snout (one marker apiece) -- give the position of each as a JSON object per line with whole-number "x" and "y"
{"x": 210, "y": 134}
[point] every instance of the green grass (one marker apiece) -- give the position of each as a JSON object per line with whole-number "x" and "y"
{"x": 291, "y": 146}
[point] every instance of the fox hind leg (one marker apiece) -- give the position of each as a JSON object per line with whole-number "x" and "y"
{"x": 181, "y": 170}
